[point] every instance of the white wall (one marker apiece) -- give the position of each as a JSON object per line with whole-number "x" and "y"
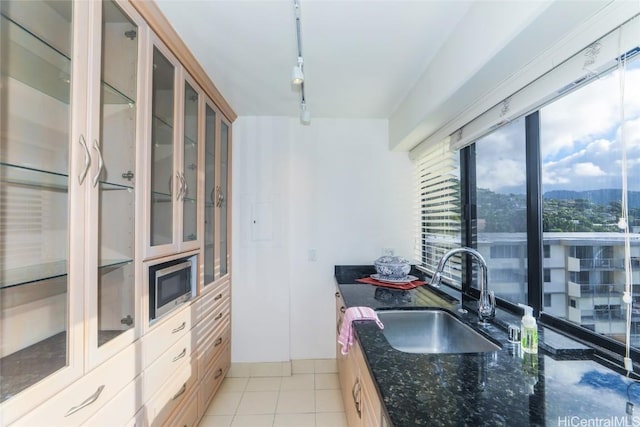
{"x": 332, "y": 188}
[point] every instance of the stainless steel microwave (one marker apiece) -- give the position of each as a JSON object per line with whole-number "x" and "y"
{"x": 170, "y": 284}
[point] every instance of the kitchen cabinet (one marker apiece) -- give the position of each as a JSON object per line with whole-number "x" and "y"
{"x": 69, "y": 88}
{"x": 361, "y": 402}
{"x": 174, "y": 156}
{"x": 101, "y": 166}
{"x": 217, "y": 140}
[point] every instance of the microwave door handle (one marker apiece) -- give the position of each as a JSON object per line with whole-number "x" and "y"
{"x": 173, "y": 269}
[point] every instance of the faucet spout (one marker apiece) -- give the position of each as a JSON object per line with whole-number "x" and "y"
{"x": 487, "y": 301}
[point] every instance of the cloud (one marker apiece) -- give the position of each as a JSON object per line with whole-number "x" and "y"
{"x": 587, "y": 169}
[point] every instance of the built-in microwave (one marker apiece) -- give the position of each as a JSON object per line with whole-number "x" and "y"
{"x": 171, "y": 283}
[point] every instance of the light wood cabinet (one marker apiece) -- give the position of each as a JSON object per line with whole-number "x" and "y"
{"x": 115, "y": 150}
{"x": 362, "y": 405}
{"x": 70, "y": 85}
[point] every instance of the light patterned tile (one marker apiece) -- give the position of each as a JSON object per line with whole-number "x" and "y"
{"x": 267, "y": 369}
{"x": 295, "y": 420}
{"x": 264, "y": 384}
{"x": 265, "y": 420}
{"x": 296, "y": 402}
{"x": 329, "y": 401}
{"x": 216, "y": 421}
{"x": 331, "y": 419}
{"x": 327, "y": 381}
{"x": 302, "y": 366}
{"x": 224, "y": 403}
{"x": 325, "y": 366}
{"x": 233, "y": 384}
{"x": 298, "y": 382}
{"x": 258, "y": 402}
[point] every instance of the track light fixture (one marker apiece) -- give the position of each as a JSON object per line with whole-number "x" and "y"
{"x": 297, "y": 75}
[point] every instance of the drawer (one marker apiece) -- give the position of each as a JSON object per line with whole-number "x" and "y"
{"x": 212, "y": 299}
{"x": 165, "y": 334}
{"x": 213, "y": 378}
{"x": 212, "y": 346}
{"x": 172, "y": 394}
{"x": 78, "y": 402}
{"x": 119, "y": 410}
{"x": 188, "y": 416}
{"x": 165, "y": 365}
{"x": 211, "y": 322}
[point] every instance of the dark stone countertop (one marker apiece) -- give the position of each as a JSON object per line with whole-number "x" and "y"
{"x": 565, "y": 384}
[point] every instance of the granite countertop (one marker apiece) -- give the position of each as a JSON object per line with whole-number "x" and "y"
{"x": 565, "y": 384}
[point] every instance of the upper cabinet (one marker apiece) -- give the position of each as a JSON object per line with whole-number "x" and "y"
{"x": 113, "y": 178}
{"x": 68, "y": 174}
{"x": 174, "y": 157}
{"x": 217, "y": 146}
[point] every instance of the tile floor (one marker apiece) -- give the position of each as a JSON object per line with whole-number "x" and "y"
{"x": 298, "y": 400}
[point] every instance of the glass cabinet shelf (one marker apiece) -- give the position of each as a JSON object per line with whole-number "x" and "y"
{"x": 111, "y": 95}
{"x": 163, "y": 132}
{"x": 159, "y": 197}
{"x": 34, "y": 62}
{"x": 25, "y": 176}
{"x": 48, "y": 270}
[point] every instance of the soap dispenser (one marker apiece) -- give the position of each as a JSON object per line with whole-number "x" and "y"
{"x": 529, "y": 333}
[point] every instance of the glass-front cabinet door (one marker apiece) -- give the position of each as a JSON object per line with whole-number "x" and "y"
{"x": 42, "y": 179}
{"x": 113, "y": 176}
{"x": 223, "y": 198}
{"x": 189, "y": 173}
{"x": 210, "y": 126}
{"x": 217, "y": 150}
{"x": 163, "y": 180}
{"x": 174, "y": 162}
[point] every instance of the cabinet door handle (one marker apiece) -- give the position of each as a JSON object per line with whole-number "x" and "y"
{"x": 179, "y": 192}
{"x": 217, "y": 375}
{"x": 185, "y": 187}
{"x": 219, "y": 296}
{"x": 96, "y": 146}
{"x": 218, "y": 342}
{"x": 179, "y": 328}
{"x": 87, "y": 402}
{"x": 180, "y": 392}
{"x": 87, "y": 160}
{"x": 355, "y": 392}
{"x": 182, "y": 354}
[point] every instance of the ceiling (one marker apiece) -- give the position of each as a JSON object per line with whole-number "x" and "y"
{"x": 361, "y": 57}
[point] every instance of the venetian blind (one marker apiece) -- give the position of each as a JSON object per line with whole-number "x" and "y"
{"x": 438, "y": 214}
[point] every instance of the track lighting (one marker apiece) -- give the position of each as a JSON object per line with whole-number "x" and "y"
{"x": 305, "y": 114}
{"x": 297, "y": 75}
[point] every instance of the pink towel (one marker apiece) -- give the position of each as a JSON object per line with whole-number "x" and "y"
{"x": 346, "y": 330}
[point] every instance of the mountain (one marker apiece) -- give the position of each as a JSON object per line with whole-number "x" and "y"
{"x": 602, "y": 196}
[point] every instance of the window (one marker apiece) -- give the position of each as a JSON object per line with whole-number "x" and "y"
{"x": 438, "y": 177}
{"x": 500, "y": 185}
{"x": 542, "y": 197}
{"x": 581, "y": 187}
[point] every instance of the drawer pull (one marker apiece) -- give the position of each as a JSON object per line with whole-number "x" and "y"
{"x": 180, "y": 392}
{"x": 179, "y": 328}
{"x": 218, "y": 342}
{"x": 182, "y": 354}
{"x": 219, "y": 296}
{"x": 217, "y": 375}
{"x": 218, "y": 317}
{"x": 86, "y": 403}
{"x": 337, "y": 294}
{"x": 342, "y": 309}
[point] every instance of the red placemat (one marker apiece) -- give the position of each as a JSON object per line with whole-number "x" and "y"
{"x": 402, "y": 286}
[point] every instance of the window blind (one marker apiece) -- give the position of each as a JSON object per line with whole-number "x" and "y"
{"x": 438, "y": 214}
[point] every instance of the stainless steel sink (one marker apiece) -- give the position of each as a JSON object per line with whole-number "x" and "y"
{"x": 432, "y": 331}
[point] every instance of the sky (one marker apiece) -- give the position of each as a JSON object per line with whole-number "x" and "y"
{"x": 581, "y": 145}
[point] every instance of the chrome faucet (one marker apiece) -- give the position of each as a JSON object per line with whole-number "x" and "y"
{"x": 487, "y": 301}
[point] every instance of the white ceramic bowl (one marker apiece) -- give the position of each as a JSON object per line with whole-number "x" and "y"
{"x": 392, "y": 267}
